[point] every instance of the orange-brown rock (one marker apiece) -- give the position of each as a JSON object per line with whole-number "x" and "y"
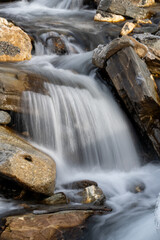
{"x": 127, "y": 28}
{"x": 146, "y": 3}
{"x": 110, "y": 17}
{"x": 63, "y": 225}
{"x": 24, "y": 164}
{"x": 15, "y": 44}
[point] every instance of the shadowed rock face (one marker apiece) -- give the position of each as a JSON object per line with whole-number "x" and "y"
{"x": 133, "y": 82}
{"x": 63, "y": 225}
{"x": 26, "y": 165}
{"x": 13, "y": 83}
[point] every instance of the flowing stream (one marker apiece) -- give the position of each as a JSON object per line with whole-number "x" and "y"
{"x": 79, "y": 123}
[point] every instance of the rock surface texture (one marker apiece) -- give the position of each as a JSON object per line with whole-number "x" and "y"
{"x": 13, "y": 83}
{"x": 56, "y": 199}
{"x": 63, "y": 225}
{"x": 4, "y": 118}
{"x": 26, "y": 165}
{"x": 130, "y": 8}
{"x": 93, "y": 194}
{"x": 133, "y": 82}
{"x": 15, "y": 44}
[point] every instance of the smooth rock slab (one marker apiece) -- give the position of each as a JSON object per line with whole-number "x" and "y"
{"x": 63, "y": 225}
{"x": 5, "y": 118}
{"x": 29, "y": 167}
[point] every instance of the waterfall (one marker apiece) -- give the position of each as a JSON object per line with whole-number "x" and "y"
{"x": 79, "y": 121}
{"x": 60, "y": 4}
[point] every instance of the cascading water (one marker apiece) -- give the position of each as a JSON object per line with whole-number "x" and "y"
{"x": 79, "y": 121}
{"x": 80, "y": 125}
{"x": 62, "y": 4}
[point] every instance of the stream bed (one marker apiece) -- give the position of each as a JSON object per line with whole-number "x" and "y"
{"x": 79, "y": 123}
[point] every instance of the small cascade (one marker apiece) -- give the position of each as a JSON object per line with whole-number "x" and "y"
{"x": 61, "y": 4}
{"x": 80, "y": 122}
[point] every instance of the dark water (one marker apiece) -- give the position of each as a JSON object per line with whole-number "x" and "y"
{"x": 79, "y": 123}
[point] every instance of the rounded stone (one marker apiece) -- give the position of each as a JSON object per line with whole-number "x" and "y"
{"x": 5, "y": 118}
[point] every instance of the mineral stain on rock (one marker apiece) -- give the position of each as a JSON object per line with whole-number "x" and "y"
{"x": 8, "y": 49}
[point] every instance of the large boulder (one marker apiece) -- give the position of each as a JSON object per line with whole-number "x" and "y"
{"x": 62, "y": 225}
{"x": 15, "y": 44}
{"x": 13, "y": 82}
{"x": 24, "y": 164}
{"x": 131, "y": 8}
{"x": 133, "y": 82}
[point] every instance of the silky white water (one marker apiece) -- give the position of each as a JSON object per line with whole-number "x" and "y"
{"x": 78, "y": 122}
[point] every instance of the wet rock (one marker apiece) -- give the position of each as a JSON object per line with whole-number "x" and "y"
{"x": 153, "y": 43}
{"x": 24, "y": 164}
{"x": 5, "y": 118}
{"x": 13, "y": 82}
{"x": 80, "y": 184}
{"x": 93, "y": 194}
{"x": 102, "y": 53}
{"x": 137, "y": 188}
{"x": 146, "y": 28}
{"x": 138, "y": 91}
{"x": 134, "y": 82}
{"x": 128, "y": 28}
{"x": 110, "y": 17}
{"x": 134, "y": 9}
{"x": 144, "y": 21}
{"x": 62, "y": 225}
{"x": 15, "y": 44}
{"x": 150, "y": 40}
{"x": 54, "y": 42}
{"x": 91, "y": 4}
{"x": 56, "y": 199}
